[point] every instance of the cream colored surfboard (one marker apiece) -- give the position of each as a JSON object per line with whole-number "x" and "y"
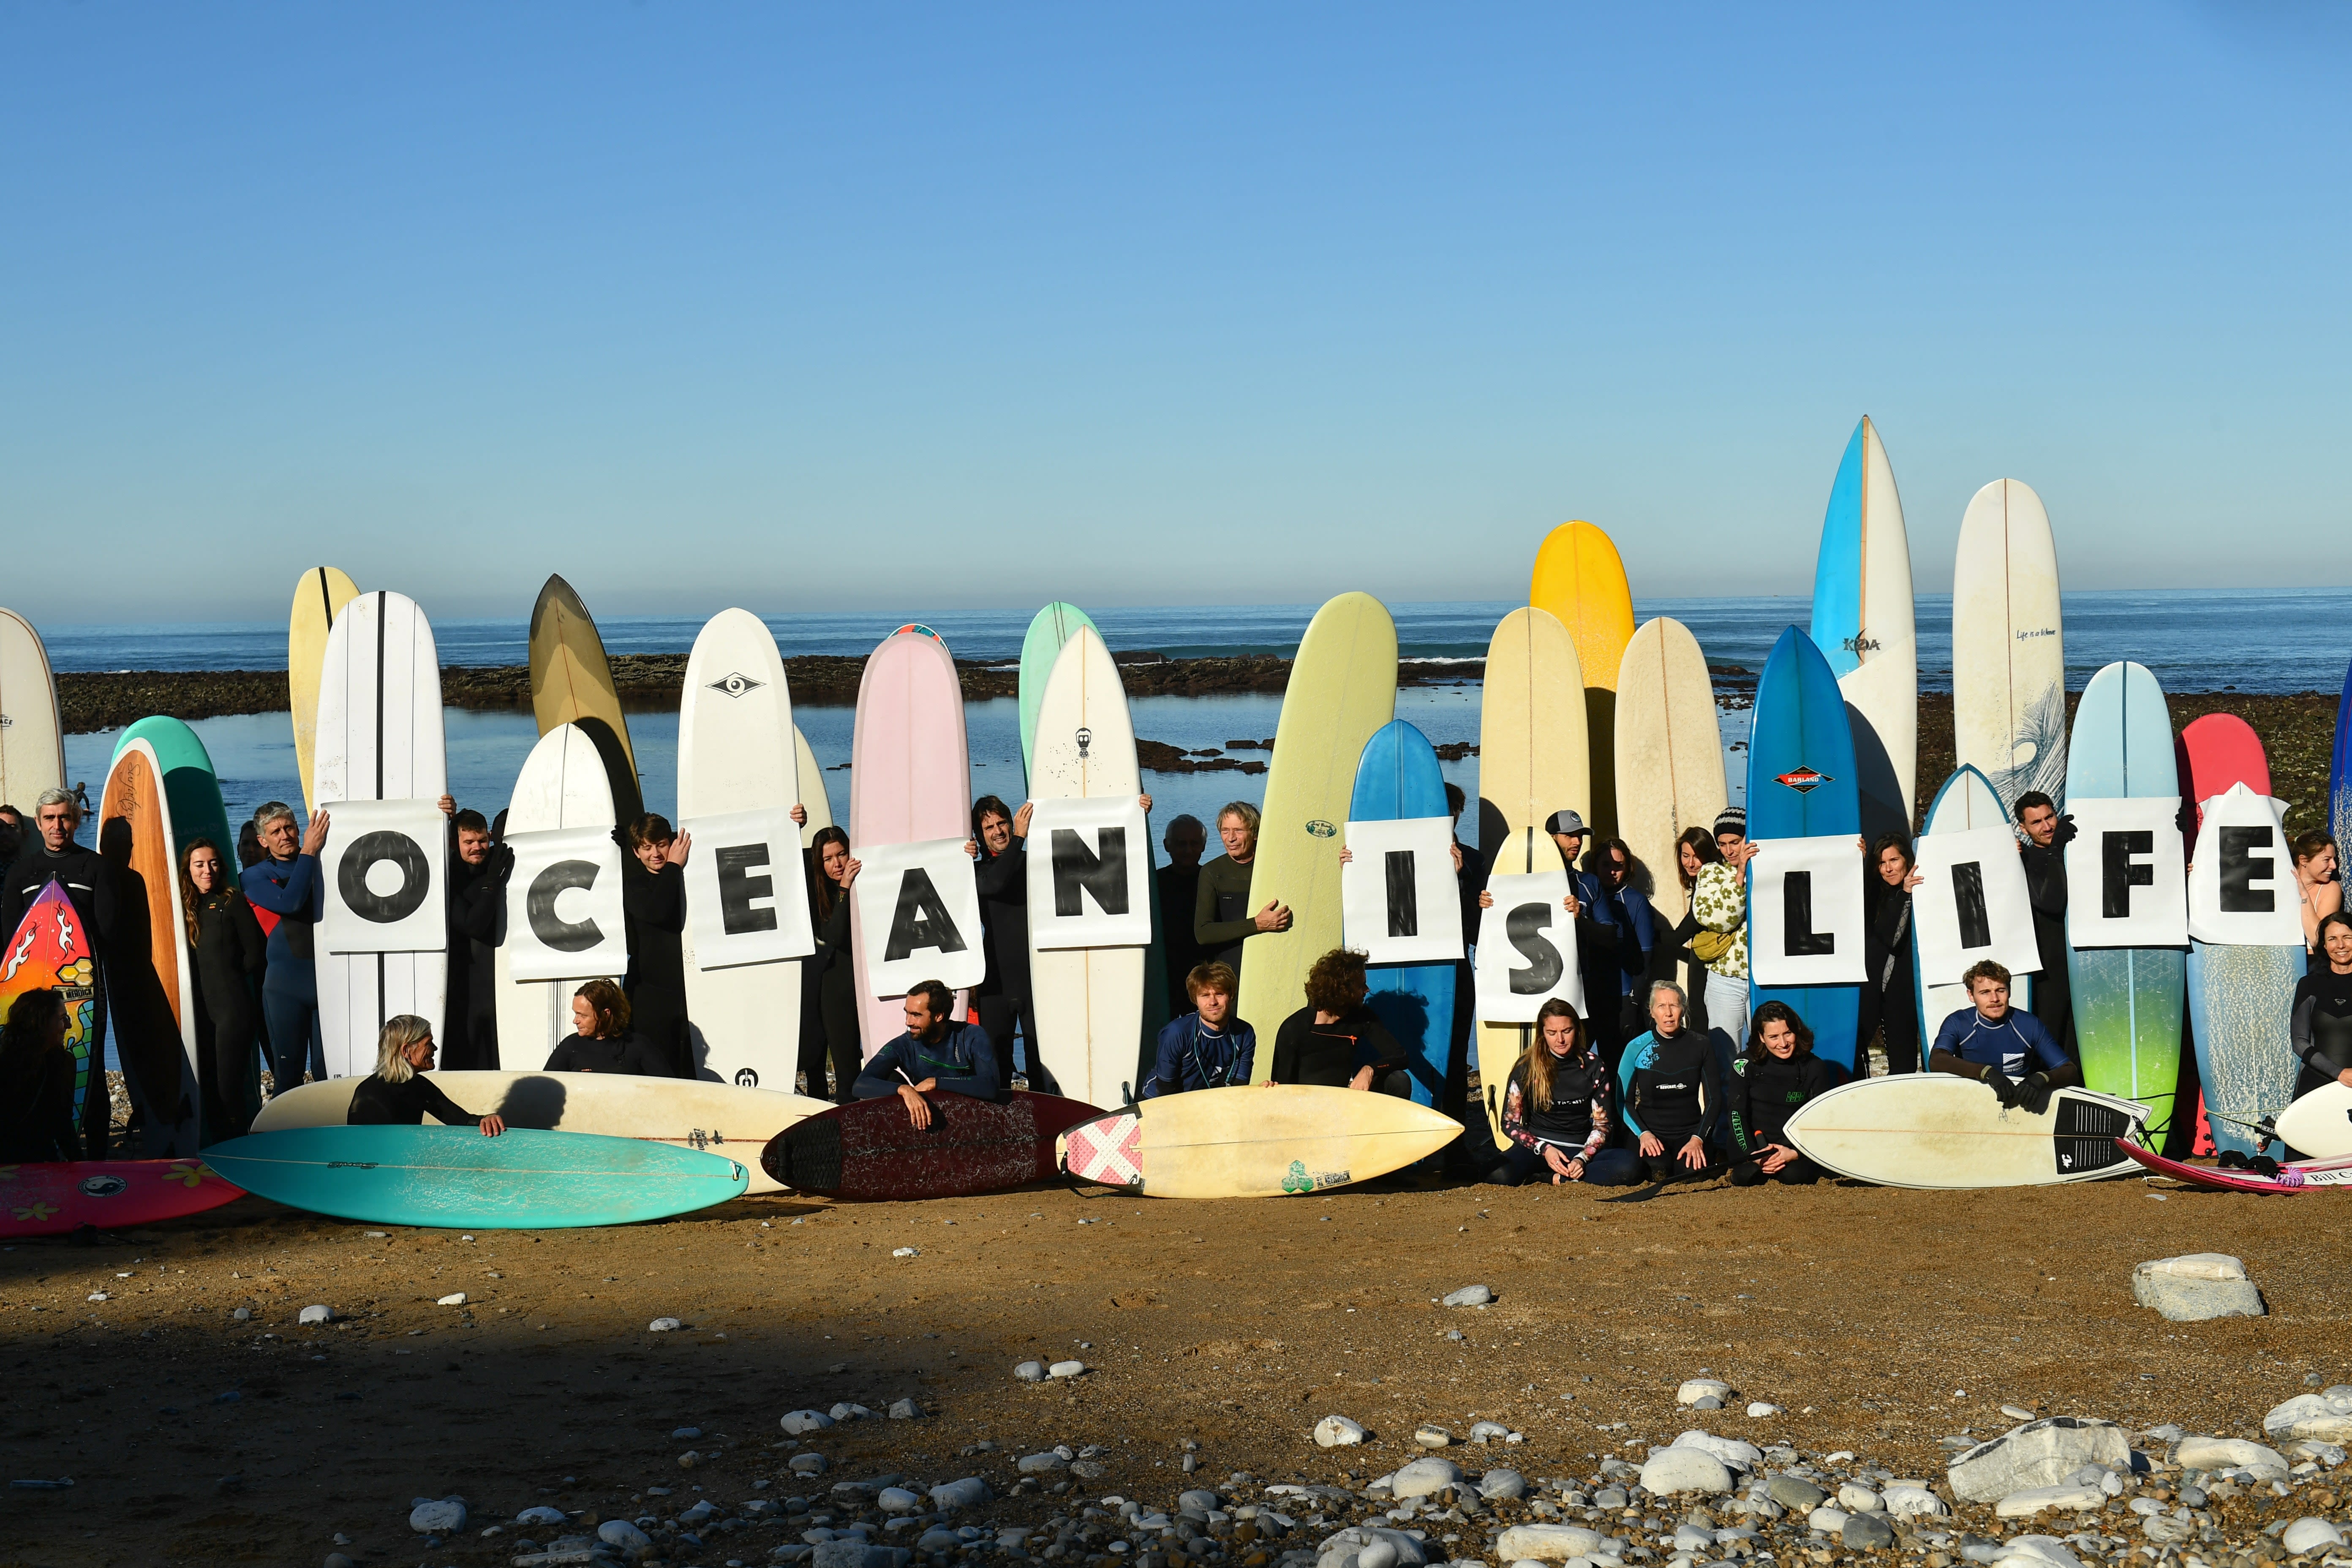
{"x": 813, "y": 798}
{"x": 563, "y": 784}
{"x": 1531, "y": 849}
{"x": 689, "y": 1113}
{"x": 2009, "y": 652}
{"x": 1938, "y": 1130}
{"x": 1669, "y": 754}
{"x": 32, "y": 739}
{"x": 1255, "y": 1142}
{"x": 319, "y": 598}
{"x": 1580, "y": 579}
{"x": 1342, "y": 688}
{"x": 1532, "y": 756}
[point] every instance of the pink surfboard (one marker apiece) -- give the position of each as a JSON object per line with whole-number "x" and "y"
{"x": 909, "y": 779}
{"x": 2303, "y": 1176}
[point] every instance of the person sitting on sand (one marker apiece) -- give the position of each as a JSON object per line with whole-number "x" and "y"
{"x": 1775, "y": 1074}
{"x": 1673, "y": 1088}
{"x": 36, "y": 1114}
{"x": 2001, "y": 1046}
{"x": 935, "y": 1055}
{"x": 601, "y": 1039}
{"x": 1207, "y": 1046}
{"x": 1555, "y": 1110}
{"x": 1335, "y": 1040}
{"x": 398, "y": 1094}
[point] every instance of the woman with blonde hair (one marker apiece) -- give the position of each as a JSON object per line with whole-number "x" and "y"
{"x": 1555, "y": 1110}
{"x": 398, "y": 1094}
{"x": 601, "y": 1039}
{"x": 1221, "y": 920}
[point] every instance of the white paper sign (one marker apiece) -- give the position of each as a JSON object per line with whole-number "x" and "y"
{"x": 2125, "y": 881}
{"x": 1526, "y": 949}
{"x": 919, "y": 906}
{"x": 386, "y": 870}
{"x": 563, "y": 905}
{"x": 2241, "y": 890}
{"x": 1090, "y": 874}
{"x": 1972, "y": 905}
{"x": 1399, "y": 901}
{"x": 746, "y": 896}
{"x": 1805, "y": 911}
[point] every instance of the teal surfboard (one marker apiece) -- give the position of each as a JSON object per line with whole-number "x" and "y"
{"x": 453, "y": 1177}
{"x": 190, "y": 785}
{"x": 1396, "y": 779}
{"x": 1048, "y": 630}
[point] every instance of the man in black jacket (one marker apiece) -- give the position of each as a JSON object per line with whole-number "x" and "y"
{"x": 2044, "y": 852}
{"x": 91, "y": 881}
{"x": 477, "y": 888}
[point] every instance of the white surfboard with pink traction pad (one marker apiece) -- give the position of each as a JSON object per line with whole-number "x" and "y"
{"x": 1255, "y": 1141}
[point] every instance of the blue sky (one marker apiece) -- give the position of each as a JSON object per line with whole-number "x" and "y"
{"x": 792, "y": 306}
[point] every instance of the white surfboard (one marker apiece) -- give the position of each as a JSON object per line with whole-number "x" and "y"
{"x": 1940, "y": 1131}
{"x": 31, "y": 737}
{"x": 690, "y": 1113}
{"x": 1965, "y": 802}
{"x": 1255, "y": 1141}
{"x": 2009, "y": 654}
{"x": 2319, "y": 1125}
{"x": 1865, "y": 624}
{"x": 813, "y": 796}
{"x": 563, "y": 784}
{"x": 1089, "y": 999}
{"x": 1669, "y": 755}
{"x": 736, "y": 753}
{"x": 379, "y": 738}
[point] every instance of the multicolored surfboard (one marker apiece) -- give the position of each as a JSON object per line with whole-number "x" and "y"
{"x": 58, "y": 1198}
{"x": 50, "y": 949}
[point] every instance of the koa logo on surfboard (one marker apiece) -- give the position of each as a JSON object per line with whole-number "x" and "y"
{"x": 1861, "y": 643}
{"x": 1804, "y": 781}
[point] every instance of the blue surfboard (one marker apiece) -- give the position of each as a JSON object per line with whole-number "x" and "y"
{"x": 1801, "y": 784}
{"x": 453, "y": 1177}
{"x": 1396, "y": 779}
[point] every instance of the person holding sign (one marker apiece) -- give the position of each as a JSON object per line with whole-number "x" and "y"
{"x": 653, "y": 897}
{"x": 2010, "y": 1053}
{"x": 1890, "y": 994}
{"x": 2047, "y": 833}
{"x": 1335, "y": 1040}
{"x": 601, "y": 1039}
{"x": 935, "y": 1055}
{"x": 1719, "y": 904}
{"x": 1206, "y": 1047}
{"x": 1555, "y": 1110}
{"x": 477, "y": 901}
{"x": 999, "y": 840}
{"x": 1773, "y": 1078}
{"x": 2323, "y": 1010}
{"x": 1673, "y": 1089}
{"x": 1221, "y": 920}
{"x": 289, "y": 886}
{"x": 829, "y": 981}
{"x": 398, "y": 1094}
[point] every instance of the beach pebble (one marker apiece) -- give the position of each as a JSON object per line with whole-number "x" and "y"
{"x": 2032, "y": 1500}
{"x": 1501, "y": 1485}
{"x": 1030, "y": 1371}
{"x": 2038, "y": 1551}
{"x": 904, "y": 1410}
{"x": 455, "y": 1299}
{"x": 848, "y": 1412}
{"x": 2309, "y": 1535}
{"x": 1371, "y": 1546}
{"x": 1488, "y": 1432}
{"x": 316, "y": 1313}
{"x": 1199, "y": 1500}
{"x": 1470, "y": 1296}
{"x": 664, "y": 1326}
{"x": 2197, "y": 1453}
{"x": 245, "y": 1314}
{"x": 897, "y": 1500}
{"x": 1042, "y": 1464}
{"x": 805, "y": 1421}
{"x": 904, "y": 1252}
{"x": 619, "y": 1532}
{"x": 969, "y": 1492}
{"x": 684, "y": 1434}
{"x": 1736, "y": 1455}
{"x": 542, "y": 1514}
{"x": 1912, "y": 1502}
{"x": 939, "y": 1540}
{"x": 2325, "y": 1416}
{"x": 1431, "y": 1437}
{"x": 807, "y": 1464}
{"x": 1548, "y": 1542}
{"x": 1855, "y": 1497}
{"x": 1697, "y": 1388}
{"x": 2017, "y": 1413}
{"x": 2194, "y": 1288}
{"x": 1828, "y": 1520}
{"x": 1795, "y": 1491}
{"x": 1758, "y": 1410}
{"x": 1424, "y": 1475}
{"x": 2165, "y": 1529}
{"x": 1066, "y": 1369}
{"x": 688, "y": 1459}
{"x": 445, "y": 1517}
{"x": 1337, "y": 1432}
{"x": 1867, "y": 1532}
{"x": 700, "y": 1513}
{"x": 2038, "y": 1453}
{"x": 1684, "y": 1469}
{"x": 2327, "y": 1454}
{"x": 337, "y": 1559}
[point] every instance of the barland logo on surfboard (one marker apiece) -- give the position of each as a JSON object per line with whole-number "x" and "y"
{"x": 1804, "y": 781}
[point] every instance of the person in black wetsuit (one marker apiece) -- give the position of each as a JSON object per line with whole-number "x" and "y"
{"x": 1204, "y": 1046}
{"x": 290, "y": 896}
{"x": 398, "y": 1094}
{"x": 652, "y": 896}
{"x": 1775, "y": 1074}
{"x": 225, "y": 949}
{"x": 1672, "y": 1090}
{"x": 1000, "y": 838}
{"x": 1890, "y": 996}
{"x": 1335, "y": 1040}
{"x": 601, "y": 1039}
{"x": 2323, "y": 1010}
{"x": 478, "y": 896}
{"x": 1179, "y": 888}
{"x": 1222, "y": 898}
{"x": 1555, "y": 1110}
{"x": 828, "y": 979}
{"x": 2047, "y": 834}
{"x": 36, "y": 1077}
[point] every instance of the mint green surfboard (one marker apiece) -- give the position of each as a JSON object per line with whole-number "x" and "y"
{"x": 453, "y": 1178}
{"x": 1048, "y": 630}
{"x": 189, "y": 785}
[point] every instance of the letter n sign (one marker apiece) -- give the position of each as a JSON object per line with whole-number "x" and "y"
{"x": 1090, "y": 874}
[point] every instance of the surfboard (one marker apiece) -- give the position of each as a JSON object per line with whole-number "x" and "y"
{"x": 1862, "y": 623}
{"x": 563, "y": 784}
{"x": 1801, "y": 784}
{"x": 1040, "y": 648}
{"x": 813, "y": 793}
{"x": 58, "y": 1197}
{"x": 1255, "y": 1141}
{"x": 1089, "y": 1001}
{"x": 453, "y": 1177}
{"x": 571, "y": 683}
{"x": 909, "y": 779}
{"x": 32, "y": 736}
{"x": 1398, "y": 779}
{"x": 2320, "y": 1123}
{"x": 737, "y": 751}
{"x": 2127, "y": 1001}
{"x": 1967, "y": 801}
{"x": 1669, "y": 756}
{"x": 2339, "y": 782}
{"x": 1579, "y": 579}
{"x": 1342, "y": 688}
{"x": 1938, "y": 1130}
{"x": 380, "y": 738}
{"x": 1533, "y": 756}
{"x": 2303, "y": 1176}
{"x": 150, "y": 996}
{"x": 868, "y": 1149}
{"x": 2009, "y": 653}
{"x": 319, "y": 598}
{"x": 49, "y": 950}
{"x": 689, "y": 1113}
{"x": 2239, "y": 998}
{"x": 1500, "y": 1046}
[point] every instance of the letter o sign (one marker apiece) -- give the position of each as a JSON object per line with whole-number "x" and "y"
{"x": 374, "y": 849}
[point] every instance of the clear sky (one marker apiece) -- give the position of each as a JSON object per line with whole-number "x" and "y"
{"x": 788, "y": 305}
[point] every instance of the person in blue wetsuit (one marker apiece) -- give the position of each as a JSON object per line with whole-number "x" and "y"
{"x": 289, "y": 887}
{"x": 1555, "y": 1110}
{"x": 1672, "y": 1090}
{"x": 935, "y": 1055}
{"x": 2009, "y": 1052}
{"x": 1206, "y": 1047}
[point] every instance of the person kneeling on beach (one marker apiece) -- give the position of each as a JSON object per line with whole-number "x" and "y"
{"x": 1207, "y": 1047}
{"x": 601, "y": 1039}
{"x": 936, "y": 1054}
{"x": 398, "y": 1094}
{"x": 1335, "y": 1041}
{"x": 2001, "y": 1046}
{"x": 1555, "y": 1110}
{"x": 1673, "y": 1089}
{"x": 1775, "y": 1074}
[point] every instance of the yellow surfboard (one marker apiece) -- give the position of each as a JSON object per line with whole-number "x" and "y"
{"x": 1255, "y": 1141}
{"x": 571, "y": 683}
{"x": 1669, "y": 754}
{"x": 1499, "y": 1046}
{"x": 1342, "y": 688}
{"x": 1580, "y": 578}
{"x": 319, "y": 598}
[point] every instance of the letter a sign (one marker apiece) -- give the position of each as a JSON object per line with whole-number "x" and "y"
{"x": 919, "y": 910}
{"x": 1090, "y": 874}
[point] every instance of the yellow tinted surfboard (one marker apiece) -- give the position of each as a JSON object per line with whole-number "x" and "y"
{"x": 319, "y": 598}
{"x": 1580, "y": 578}
{"x": 1534, "y": 756}
{"x": 1669, "y": 754}
{"x": 1500, "y": 1046}
{"x": 571, "y": 683}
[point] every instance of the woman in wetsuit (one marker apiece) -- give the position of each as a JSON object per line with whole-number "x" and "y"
{"x": 1890, "y": 996}
{"x": 1775, "y": 1075}
{"x": 1555, "y": 1110}
{"x": 1672, "y": 1090}
{"x": 398, "y": 1094}
{"x": 1335, "y": 1040}
{"x": 2322, "y": 1019}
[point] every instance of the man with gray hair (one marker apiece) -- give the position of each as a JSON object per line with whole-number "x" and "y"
{"x": 289, "y": 887}
{"x": 89, "y": 881}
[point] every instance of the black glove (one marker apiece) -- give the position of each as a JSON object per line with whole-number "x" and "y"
{"x": 2003, "y": 1090}
{"x": 2033, "y": 1094}
{"x": 2262, "y": 1165}
{"x": 2185, "y": 819}
{"x": 2065, "y": 830}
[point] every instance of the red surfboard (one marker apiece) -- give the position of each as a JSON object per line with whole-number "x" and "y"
{"x": 2303, "y": 1176}
{"x": 59, "y": 1197}
{"x": 49, "y": 949}
{"x": 870, "y": 1150}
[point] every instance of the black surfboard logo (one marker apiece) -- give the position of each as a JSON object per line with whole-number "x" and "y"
{"x": 735, "y": 683}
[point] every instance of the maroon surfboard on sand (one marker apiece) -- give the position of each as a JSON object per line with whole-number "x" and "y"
{"x": 870, "y": 1150}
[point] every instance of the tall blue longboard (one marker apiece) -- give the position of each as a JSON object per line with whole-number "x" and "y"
{"x": 1396, "y": 779}
{"x": 1801, "y": 784}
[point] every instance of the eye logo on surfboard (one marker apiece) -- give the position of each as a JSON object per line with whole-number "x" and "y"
{"x": 735, "y": 683}
{"x": 1318, "y": 828}
{"x": 1804, "y": 781}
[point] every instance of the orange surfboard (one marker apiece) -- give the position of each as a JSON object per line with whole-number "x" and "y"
{"x": 151, "y": 1002}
